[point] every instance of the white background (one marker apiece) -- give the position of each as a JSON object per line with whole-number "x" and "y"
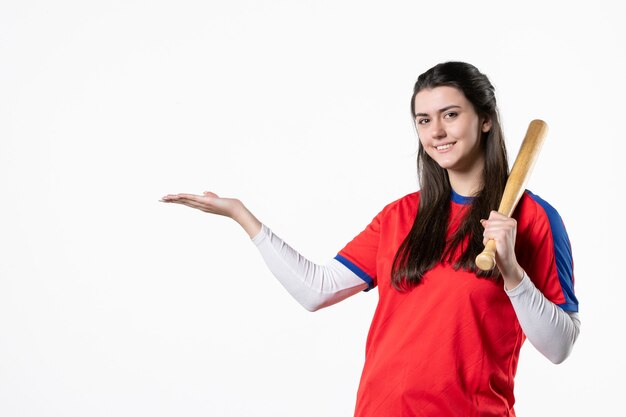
{"x": 113, "y": 304}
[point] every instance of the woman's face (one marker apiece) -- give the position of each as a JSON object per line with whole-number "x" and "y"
{"x": 449, "y": 129}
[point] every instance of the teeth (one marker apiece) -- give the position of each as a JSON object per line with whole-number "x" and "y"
{"x": 442, "y": 147}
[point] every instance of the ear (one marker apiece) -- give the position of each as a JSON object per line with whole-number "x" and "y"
{"x": 486, "y": 127}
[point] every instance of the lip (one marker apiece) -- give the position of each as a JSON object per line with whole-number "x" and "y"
{"x": 447, "y": 146}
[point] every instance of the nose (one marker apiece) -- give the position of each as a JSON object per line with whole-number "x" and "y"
{"x": 436, "y": 130}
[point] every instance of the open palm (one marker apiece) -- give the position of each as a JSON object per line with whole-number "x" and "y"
{"x": 212, "y": 203}
{"x": 208, "y": 202}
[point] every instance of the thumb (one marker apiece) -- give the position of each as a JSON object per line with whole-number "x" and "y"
{"x": 210, "y": 194}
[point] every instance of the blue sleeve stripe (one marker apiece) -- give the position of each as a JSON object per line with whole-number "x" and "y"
{"x": 569, "y": 307}
{"x": 562, "y": 253}
{"x": 358, "y": 271}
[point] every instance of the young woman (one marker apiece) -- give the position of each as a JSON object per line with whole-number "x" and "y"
{"x": 445, "y": 337}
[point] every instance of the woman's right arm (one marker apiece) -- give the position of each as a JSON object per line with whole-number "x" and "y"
{"x": 314, "y": 286}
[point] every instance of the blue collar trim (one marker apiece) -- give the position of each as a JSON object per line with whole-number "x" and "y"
{"x": 460, "y": 199}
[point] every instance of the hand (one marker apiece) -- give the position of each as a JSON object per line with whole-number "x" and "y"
{"x": 503, "y": 230}
{"x": 208, "y": 202}
{"x": 212, "y": 203}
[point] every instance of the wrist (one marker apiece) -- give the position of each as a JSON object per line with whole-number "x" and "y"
{"x": 513, "y": 277}
{"x": 246, "y": 219}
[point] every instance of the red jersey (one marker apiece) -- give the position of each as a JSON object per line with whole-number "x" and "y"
{"x": 450, "y": 346}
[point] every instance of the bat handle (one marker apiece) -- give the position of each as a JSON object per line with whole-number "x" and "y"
{"x": 487, "y": 259}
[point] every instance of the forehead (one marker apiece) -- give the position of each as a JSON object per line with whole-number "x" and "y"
{"x": 431, "y": 100}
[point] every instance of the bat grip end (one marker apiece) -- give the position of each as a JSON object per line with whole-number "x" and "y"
{"x": 486, "y": 260}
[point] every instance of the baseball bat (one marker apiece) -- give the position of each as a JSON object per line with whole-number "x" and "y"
{"x": 516, "y": 183}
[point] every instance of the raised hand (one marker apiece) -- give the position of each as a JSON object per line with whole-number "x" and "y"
{"x": 208, "y": 202}
{"x": 212, "y": 203}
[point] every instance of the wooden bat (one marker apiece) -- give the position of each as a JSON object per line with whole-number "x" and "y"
{"x": 516, "y": 184}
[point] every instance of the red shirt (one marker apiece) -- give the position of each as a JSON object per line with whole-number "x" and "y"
{"x": 450, "y": 346}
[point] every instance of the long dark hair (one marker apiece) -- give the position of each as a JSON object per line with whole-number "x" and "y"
{"x": 425, "y": 246}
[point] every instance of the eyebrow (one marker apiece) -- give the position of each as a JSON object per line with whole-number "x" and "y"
{"x": 453, "y": 106}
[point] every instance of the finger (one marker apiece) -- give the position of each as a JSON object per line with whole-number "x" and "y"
{"x": 193, "y": 204}
{"x": 191, "y": 196}
{"x": 197, "y": 199}
{"x": 189, "y": 199}
{"x": 494, "y": 231}
{"x": 177, "y": 196}
{"x": 487, "y": 237}
{"x": 494, "y": 215}
{"x": 168, "y": 197}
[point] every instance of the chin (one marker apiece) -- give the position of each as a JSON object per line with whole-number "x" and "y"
{"x": 446, "y": 164}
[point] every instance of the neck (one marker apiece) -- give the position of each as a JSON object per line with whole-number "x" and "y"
{"x": 467, "y": 183}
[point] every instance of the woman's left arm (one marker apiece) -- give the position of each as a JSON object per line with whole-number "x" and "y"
{"x": 547, "y": 326}
{"x": 550, "y": 329}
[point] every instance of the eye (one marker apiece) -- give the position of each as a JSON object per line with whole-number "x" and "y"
{"x": 422, "y": 121}
{"x": 450, "y": 115}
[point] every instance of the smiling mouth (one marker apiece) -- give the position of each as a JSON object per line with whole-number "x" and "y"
{"x": 444, "y": 147}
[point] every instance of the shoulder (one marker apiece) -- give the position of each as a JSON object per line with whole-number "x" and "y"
{"x": 533, "y": 205}
{"x": 398, "y": 214}
{"x": 547, "y": 252}
{"x": 535, "y": 213}
{"x": 407, "y": 204}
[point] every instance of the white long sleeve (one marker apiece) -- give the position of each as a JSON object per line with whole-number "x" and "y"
{"x": 313, "y": 286}
{"x": 549, "y": 328}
